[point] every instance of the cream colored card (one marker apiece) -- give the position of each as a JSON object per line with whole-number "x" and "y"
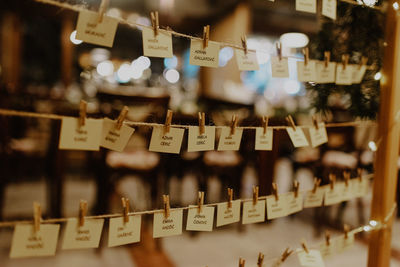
{"x": 115, "y": 139}
{"x": 318, "y": 136}
{"x": 228, "y": 141}
{"x": 312, "y": 200}
{"x": 159, "y": 45}
{"x": 293, "y": 204}
{"x": 247, "y": 61}
{"x": 166, "y": 142}
{"x": 200, "y": 221}
{"x": 306, "y": 6}
{"x": 311, "y": 259}
{"x": 344, "y": 76}
{"x": 227, "y": 215}
{"x": 358, "y": 73}
{"x": 276, "y": 209}
{"x": 360, "y": 188}
{"x": 297, "y": 136}
{"x": 306, "y": 73}
{"x": 26, "y": 243}
{"x": 348, "y": 192}
{"x": 86, "y": 137}
{"x": 326, "y": 74}
{"x": 87, "y": 236}
{"x": 328, "y": 251}
{"x": 263, "y": 141}
{"x": 343, "y": 243}
{"x": 253, "y": 213}
{"x": 333, "y": 196}
{"x": 121, "y": 233}
{"x": 90, "y": 31}
{"x": 167, "y": 226}
{"x": 329, "y": 8}
{"x": 280, "y": 68}
{"x": 207, "y": 57}
{"x": 201, "y": 142}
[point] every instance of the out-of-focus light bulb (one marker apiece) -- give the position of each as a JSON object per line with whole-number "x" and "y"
{"x": 172, "y": 75}
{"x": 396, "y": 6}
{"x": 105, "y": 68}
{"x": 373, "y": 223}
{"x": 378, "y": 76}
{"x": 372, "y": 146}
{"x": 291, "y": 87}
{"x": 73, "y": 39}
{"x": 124, "y": 73}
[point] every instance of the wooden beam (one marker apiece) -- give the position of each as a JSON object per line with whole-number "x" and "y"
{"x": 385, "y": 180}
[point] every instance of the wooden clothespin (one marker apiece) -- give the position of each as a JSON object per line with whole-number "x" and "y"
{"x": 275, "y": 191}
{"x": 315, "y": 122}
{"x": 82, "y": 112}
{"x": 345, "y": 60}
{"x": 346, "y": 230}
{"x": 327, "y": 238}
{"x": 244, "y": 43}
{"x": 359, "y": 174}
{"x": 260, "y": 259}
{"x": 206, "y": 36}
{"x": 332, "y": 180}
{"x": 346, "y": 177}
{"x": 125, "y": 209}
{"x": 317, "y": 182}
{"x": 168, "y": 121}
{"x": 327, "y": 58}
{"x": 255, "y": 194}
{"x": 37, "y": 216}
{"x": 290, "y": 120}
{"x": 154, "y": 22}
{"x": 279, "y": 50}
{"x": 230, "y": 197}
{"x": 286, "y": 254}
{"x": 122, "y": 117}
{"x": 296, "y": 186}
{"x": 363, "y": 62}
{"x": 234, "y": 123}
{"x": 306, "y": 56}
{"x": 103, "y": 7}
{"x": 304, "y": 246}
{"x": 82, "y": 212}
{"x": 202, "y": 123}
{"x": 241, "y": 262}
{"x": 200, "y": 201}
{"x": 265, "y": 124}
{"x": 166, "y": 206}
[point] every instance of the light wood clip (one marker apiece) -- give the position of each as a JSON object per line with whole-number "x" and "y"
{"x": 241, "y": 262}
{"x": 168, "y": 121}
{"x": 206, "y": 36}
{"x": 37, "y": 216}
{"x": 200, "y": 201}
{"x": 121, "y": 117}
{"x": 306, "y": 56}
{"x": 202, "y": 123}
{"x": 82, "y": 113}
{"x": 260, "y": 259}
{"x": 296, "y": 186}
{"x": 363, "y": 62}
{"x": 304, "y": 246}
{"x": 279, "y": 50}
{"x": 290, "y": 120}
{"x": 346, "y": 177}
{"x": 327, "y": 238}
{"x": 346, "y": 230}
{"x": 244, "y": 43}
{"x": 315, "y": 122}
{"x": 234, "y": 123}
{"x": 255, "y": 194}
{"x": 317, "y": 182}
{"x": 359, "y": 174}
{"x": 166, "y": 206}
{"x": 154, "y": 22}
{"x": 103, "y": 7}
{"x": 230, "y": 197}
{"x": 125, "y": 209}
{"x": 327, "y": 58}
{"x": 275, "y": 191}
{"x": 332, "y": 180}
{"x": 345, "y": 60}
{"x": 286, "y": 254}
{"x": 265, "y": 124}
{"x": 82, "y": 212}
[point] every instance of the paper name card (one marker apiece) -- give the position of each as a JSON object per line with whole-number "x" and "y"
{"x": 306, "y": 73}
{"x": 253, "y": 213}
{"x": 159, "y": 45}
{"x": 343, "y": 243}
{"x": 327, "y": 251}
{"x": 86, "y": 137}
{"x": 228, "y": 141}
{"x": 306, "y": 6}
{"x": 207, "y": 57}
{"x": 227, "y": 215}
{"x": 89, "y": 30}
{"x": 360, "y": 188}
{"x": 297, "y": 136}
{"x": 335, "y": 195}
{"x": 329, "y": 8}
{"x": 167, "y": 226}
{"x": 313, "y": 200}
{"x": 263, "y": 141}
{"x": 115, "y": 139}
{"x": 358, "y": 73}
{"x": 26, "y": 243}
{"x": 166, "y": 142}
{"x": 326, "y": 74}
{"x": 201, "y": 142}
{"x": 86, "y": 236}
{"x": 347, "y": 192}
{"x": 246, "y": 62}
{"x": 276, "y": 209}
{"x": 121, "y": 233}
{"x": 200, "y": 221}
{"x": 344, "y": 76}
{"x": 318, "y": 136}
{"x": 293, "y": 204}
{"x": 311, "y": 259}
{"x": 279, "y": 67}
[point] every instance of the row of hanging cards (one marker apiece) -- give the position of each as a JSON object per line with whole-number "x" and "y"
{"x": 310, "y": 6}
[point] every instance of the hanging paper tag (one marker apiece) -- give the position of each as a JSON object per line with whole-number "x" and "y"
{"x": 344, "y": 76}
{"x": 263, "y": 141}
{"x": 201, "y": 142}
{"x": 276, "y": 209}
{"x": 311, "y": 259}
{"x": 316, "y": 199}
{"x": 253, "y": 213}
{"x": 227, "y": 215}
{"x": 327, "y": 251}
{"x": 86, "y": 137}
{"x": 326, "y": 74}
{"x": 90, "y": 31}
{"x": 122, "y": 233}
{"x": 228, "y": 141}
{"x": 246, "y": 61}
{"x": 306, "y": 6}
{"x": 333, "y": 196}
{"x": 358, "y": 73}
{"x": 207, "y": 57}
{"x": 347, "y": 192}
{"x": 157, "y": 46}
{"x": 360, "y": 188}
{"x": 298, "y": 138}
{"x": 115, "y": 139}
{"x": 280, "y": 68}
{"x": 87, "y": 236}
{"x": 329, "y": 8}
{"x": 28, "y": 243}
{"x": 202, "y": 221}
{"x": 343, "y": 243}
{"x": 166, "y": 142}
{"x": 293, "y": 204}
{"x": 306, "y": 73}
{"x": 318, "y": 136}
{"x": 167, "y": 226}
